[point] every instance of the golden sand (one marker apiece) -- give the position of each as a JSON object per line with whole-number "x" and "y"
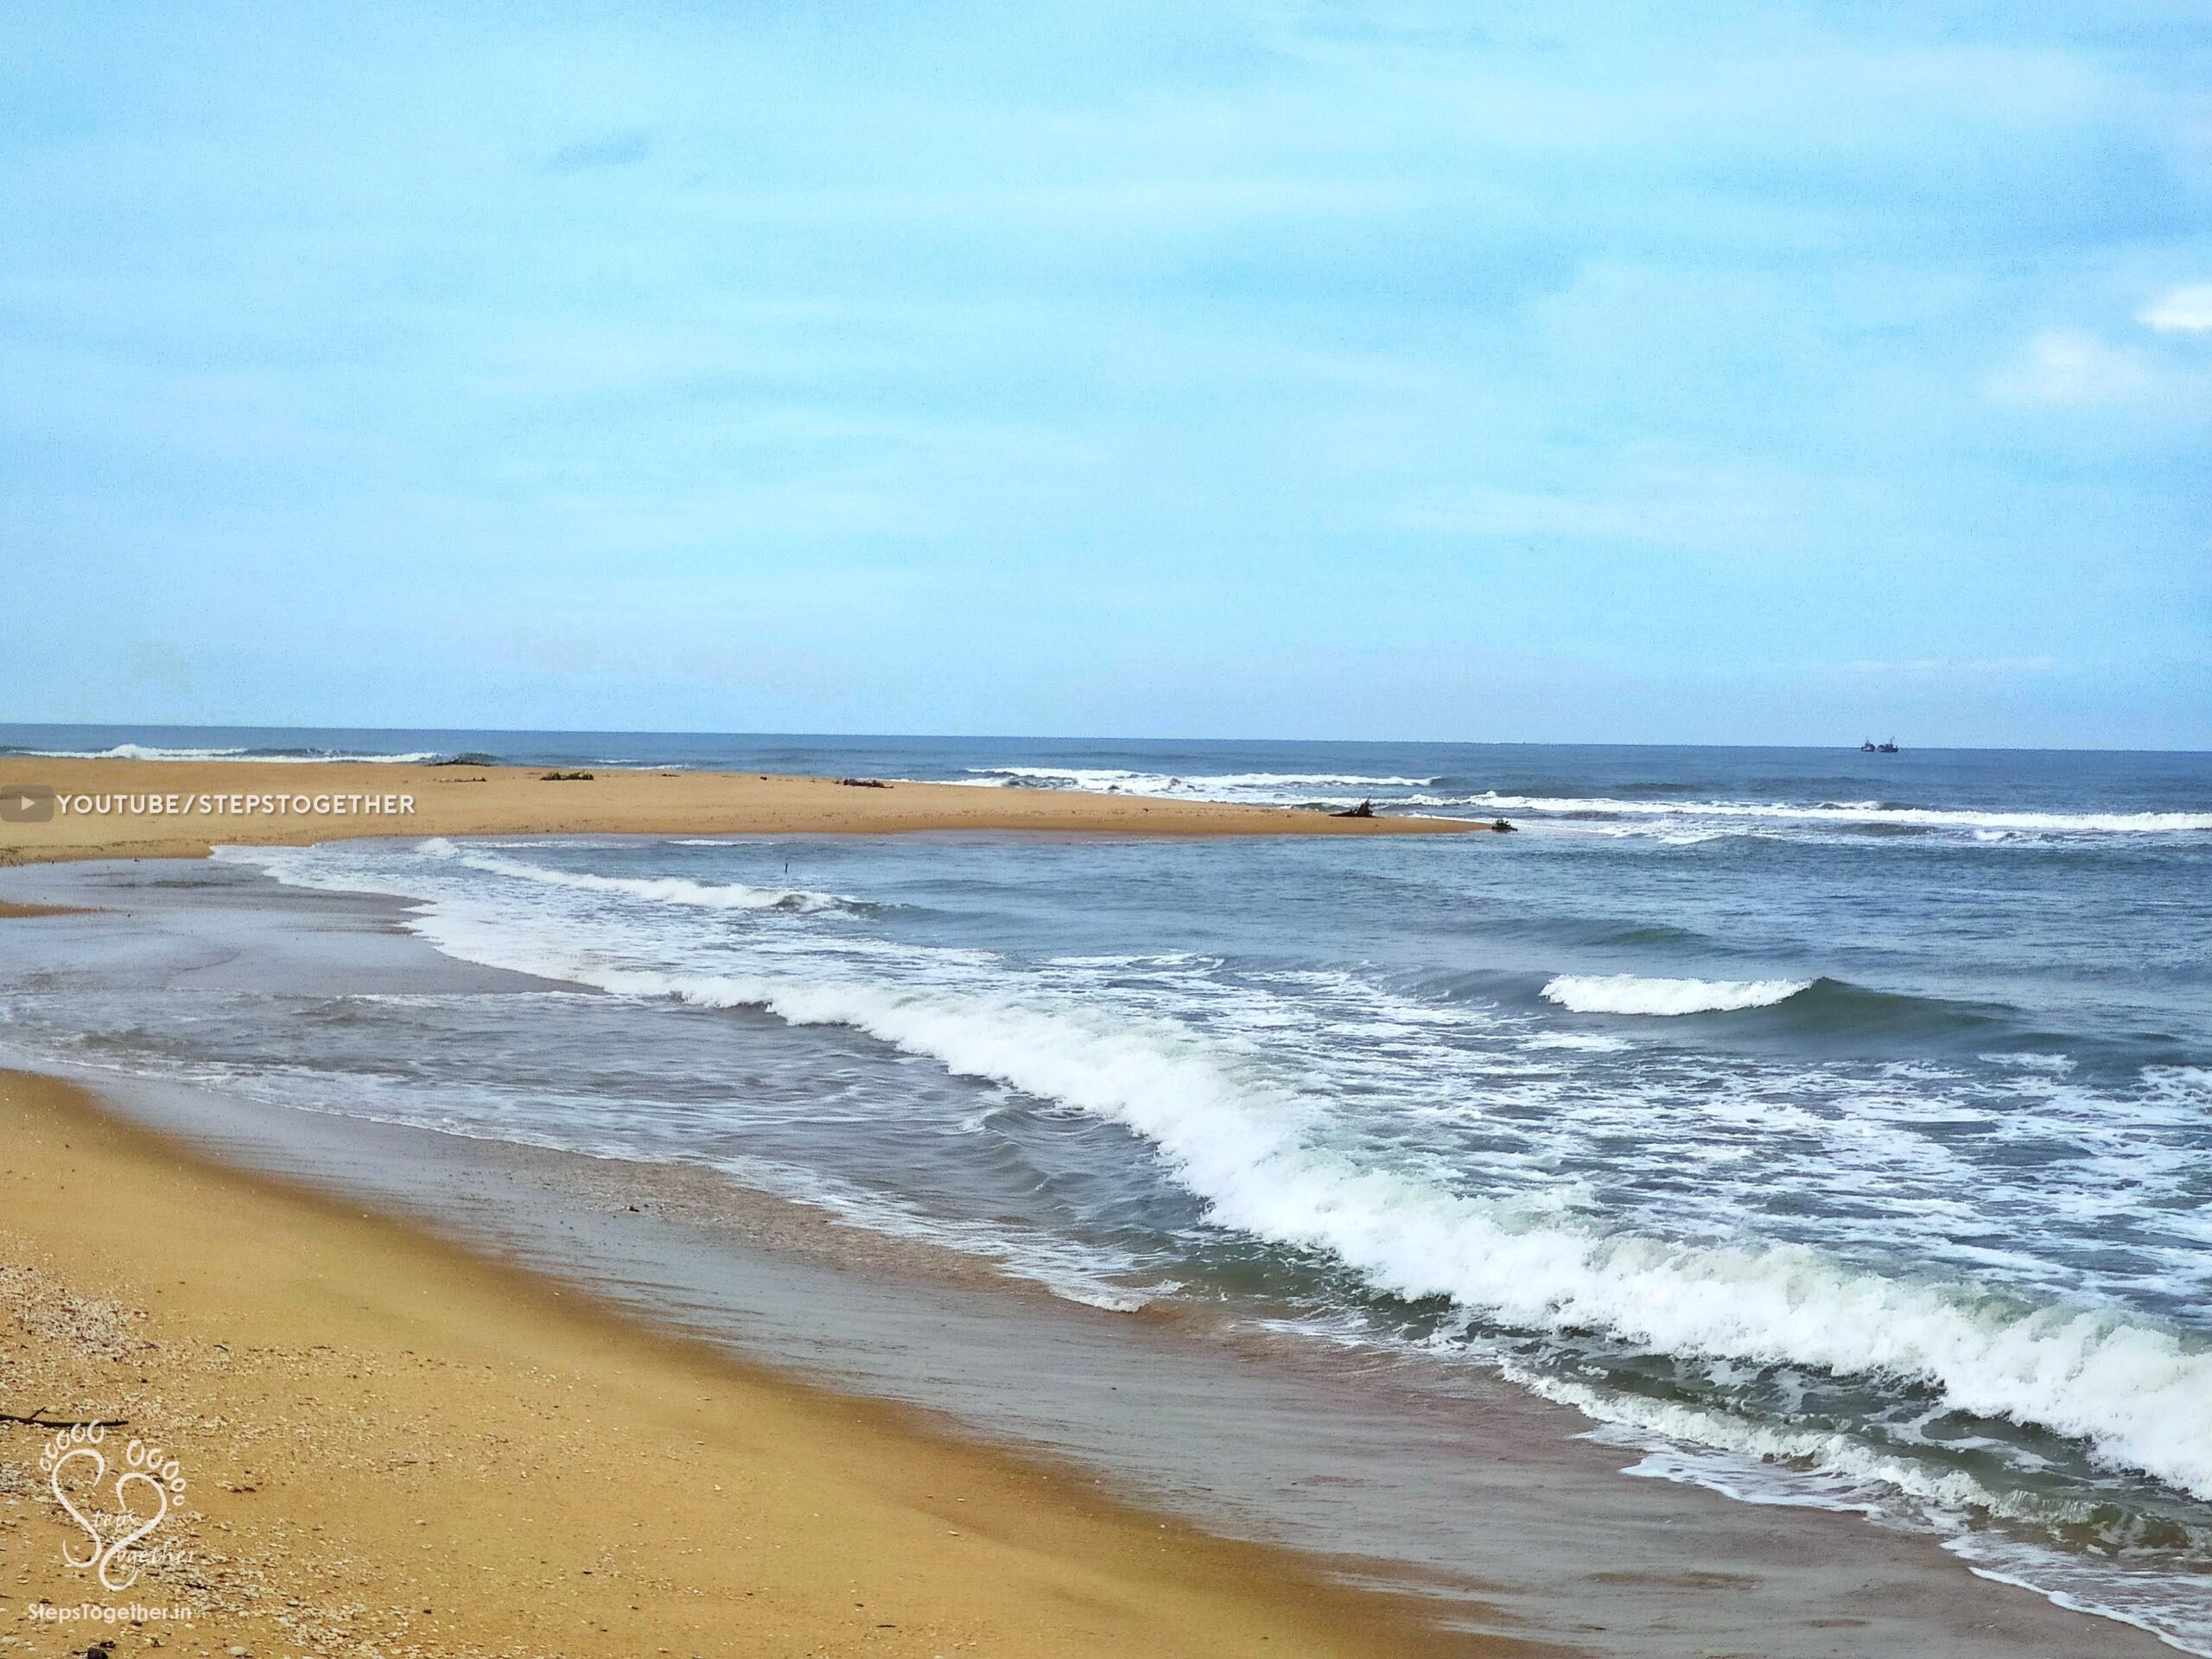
{"x": 232, "y": 801}
{"x": 391, "y": 1446}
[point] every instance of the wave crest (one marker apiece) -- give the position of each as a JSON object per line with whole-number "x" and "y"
{"x": 662, "y": 889}
{"x": 1862, "y": 814}
{"x": 1632, "y": 993}
{"x": 150, "y": 752}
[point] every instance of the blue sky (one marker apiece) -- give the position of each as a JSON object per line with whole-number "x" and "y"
{"x": 1699, "y": 373}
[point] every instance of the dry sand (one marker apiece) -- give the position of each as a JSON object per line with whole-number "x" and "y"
{"x": 392, "y": 1446}
{"x": 521, "y": 800}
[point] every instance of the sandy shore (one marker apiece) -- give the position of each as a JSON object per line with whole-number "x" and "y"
{"x": 172, "y": 809}
{"x": 390, "y": 1446}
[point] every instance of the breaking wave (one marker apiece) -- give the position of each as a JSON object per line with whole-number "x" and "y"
{"x": 2140, "y": 1395}
{"x": 663, "y": 889}
{"x": 1859, "y": 814}
{"x": 1271, "y": 788}
{"x": 1630, "y": 993}
{"x": 148, "y": 752}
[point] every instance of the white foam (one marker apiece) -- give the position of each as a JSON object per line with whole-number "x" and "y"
{"x": 1844, "y": 1470}
{"x": 665, "y": 889}
{"x": 1271, "y": 788}
{"x": 1790, "y": 1464}
{"x": 1631, "y": 993}
{"x": 1855, "y": 812}
{"x": 2052, "y": 1065}
{"x": 146, "y": 752}
{"x": 2152, "y": 1601}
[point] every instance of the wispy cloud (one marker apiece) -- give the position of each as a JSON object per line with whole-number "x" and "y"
{"x": 612, "y": 149}
{"x": 2067, "y": 366}
{"x": 1648, "y": 501}
{"x": 1951, "y": 667}
{"x": 2180, "y": 310}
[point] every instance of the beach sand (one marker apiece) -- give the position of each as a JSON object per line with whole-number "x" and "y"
{"x": 392, "y": 1446}
{"x": 520, "y": 800}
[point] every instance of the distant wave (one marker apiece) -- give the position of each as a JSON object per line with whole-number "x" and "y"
{"x": 1871, "y": 814}
{"x": 666, "y": 889}
{"x": 146, "y": 752}
{"x": 1631, "y": 993}
{"x": 1681, "y": 821}
{"x": 1814, "y": 1008}
{"x": 1220, "y": 786}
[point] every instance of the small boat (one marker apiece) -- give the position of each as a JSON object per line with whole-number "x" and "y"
{"x": 1889, "y": 747}
{"x": 1867, "y": 747}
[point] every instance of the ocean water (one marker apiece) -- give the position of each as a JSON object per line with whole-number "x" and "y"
{"x": 1829, "y": 1127}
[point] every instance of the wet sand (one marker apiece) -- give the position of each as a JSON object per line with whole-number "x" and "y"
{"x": 391, "y": 1441}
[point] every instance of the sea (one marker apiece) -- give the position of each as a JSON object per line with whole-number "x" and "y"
{"x": 1828, "y": 1128}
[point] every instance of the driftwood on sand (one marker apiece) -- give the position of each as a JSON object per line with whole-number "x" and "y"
{"x": 40, "y": 1420}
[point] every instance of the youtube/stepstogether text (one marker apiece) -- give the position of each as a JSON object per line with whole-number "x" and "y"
{"x": 319, "y": 805}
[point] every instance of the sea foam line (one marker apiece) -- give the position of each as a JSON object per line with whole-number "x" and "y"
{"x": 662, "y": 889}
{"x": 146, "y": 751}
{"x": 1227, "y": 785}
{"x": 1860, "y": 812}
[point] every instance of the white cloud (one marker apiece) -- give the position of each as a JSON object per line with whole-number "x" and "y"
{"x": 2063, "y": 366}
{"x": 2180, "y": 311}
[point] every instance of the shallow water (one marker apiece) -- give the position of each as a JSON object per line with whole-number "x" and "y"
{"x": 1835, "y": 1127}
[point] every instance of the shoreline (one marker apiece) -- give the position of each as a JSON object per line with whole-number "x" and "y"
{"x": 347, "y": 1389}
{"x": 1502, "y": 1507}
{"x": 235, "y": 803}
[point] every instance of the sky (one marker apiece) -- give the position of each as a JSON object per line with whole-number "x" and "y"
{"x": 1767, "y": 372}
